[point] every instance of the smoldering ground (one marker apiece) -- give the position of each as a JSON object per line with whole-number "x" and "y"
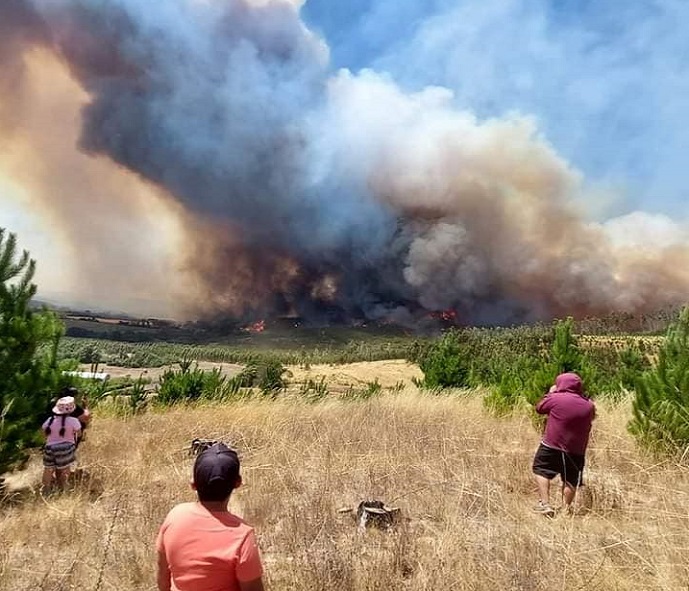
{"x": 287, "y": 187}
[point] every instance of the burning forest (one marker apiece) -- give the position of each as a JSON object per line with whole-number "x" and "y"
{"x": 208, "y": 151}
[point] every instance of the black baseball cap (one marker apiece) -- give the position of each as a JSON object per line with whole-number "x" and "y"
{"x": 216, "y": 472}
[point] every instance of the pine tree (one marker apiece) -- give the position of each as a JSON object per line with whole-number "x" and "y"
{"x": 565, "y": 353}
{"x": 28, "y": 353}
{"x": 565, "y": 356}
{"x": 661, "y": 405}
{"x": 445, "y": 364}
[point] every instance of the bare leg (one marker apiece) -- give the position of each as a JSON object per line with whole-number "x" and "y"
{"x": 543, "y": 489}
{"x": 62, "y": 476}
{"x": 47, "y": 480}
{"x": 568, "y": 494}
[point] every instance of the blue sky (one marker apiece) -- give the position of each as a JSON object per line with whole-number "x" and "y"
{"x": 608, "y": 82}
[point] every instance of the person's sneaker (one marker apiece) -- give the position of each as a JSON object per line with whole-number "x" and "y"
{"x": 544, "y": 509}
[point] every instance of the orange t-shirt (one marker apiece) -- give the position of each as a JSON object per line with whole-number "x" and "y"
{"x": 208, "y": 551}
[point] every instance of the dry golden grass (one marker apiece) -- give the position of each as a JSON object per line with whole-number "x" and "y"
{"x": 389, "y": 374}
{"x": 461, "y": 477}
{"x": 649, "y": 344}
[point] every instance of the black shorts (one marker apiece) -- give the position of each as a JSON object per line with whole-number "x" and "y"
{"x": 549, "y": 462}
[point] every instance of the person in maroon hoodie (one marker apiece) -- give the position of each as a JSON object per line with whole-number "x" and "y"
{"x": 563, "y": 447}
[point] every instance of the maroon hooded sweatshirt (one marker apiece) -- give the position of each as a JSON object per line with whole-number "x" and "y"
{"x": 570, "y": 415}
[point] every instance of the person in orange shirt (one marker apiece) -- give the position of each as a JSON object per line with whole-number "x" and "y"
{"x": 202, "y": 546}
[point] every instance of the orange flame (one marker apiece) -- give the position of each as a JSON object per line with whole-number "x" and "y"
{"x": 255, "y": 327}
{"x": 445, "y": 315}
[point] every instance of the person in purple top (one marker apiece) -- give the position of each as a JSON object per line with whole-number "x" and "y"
{"x": 563, "y": 447}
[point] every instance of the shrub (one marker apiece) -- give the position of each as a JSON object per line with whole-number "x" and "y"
{"x": 189, "y": 383}
{"x": 371, "y": 390}
{"x": 182, "y": 385}
{"x": 239, "y": 385}
{"x": 397, "y": 387}
{"x": 633, "y": 364}
{"x": 504, "y": 397}
{"x": 92, "y": 355}
{"x": 565, "y": 356}
{"x": 529, "y": 377}
{"x": 136, "y": 398}
{"x": 247, "y": 377}
{"x": 270, "y": 377}
{"x": 661, "y": 404}
{"x": 445, "y": 364}
{"x": 314, "y": 390}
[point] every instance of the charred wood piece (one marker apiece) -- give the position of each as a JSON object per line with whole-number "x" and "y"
{"x": 199, "y": 445}
{"x": 374, "y": 514}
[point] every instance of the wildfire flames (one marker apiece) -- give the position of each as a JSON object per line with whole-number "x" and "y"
{"x": 255, "y": 327}
{"x": 449, "y": 316}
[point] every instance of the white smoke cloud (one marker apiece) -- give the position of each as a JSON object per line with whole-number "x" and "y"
{"x": 493, "y": 212}
{"x": 641, "y": 230}
{"x": 607, "y": 81}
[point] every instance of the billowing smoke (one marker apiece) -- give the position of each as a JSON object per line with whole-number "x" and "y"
{"x": 329, "y": 195}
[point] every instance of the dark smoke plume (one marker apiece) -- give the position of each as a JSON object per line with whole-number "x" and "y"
{"x": 334, "y": 196}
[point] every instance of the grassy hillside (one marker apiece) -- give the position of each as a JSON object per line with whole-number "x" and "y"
{"x": 461, "y": 478}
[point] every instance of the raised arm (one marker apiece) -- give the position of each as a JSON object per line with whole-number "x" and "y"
{"x": 545, "y": 405}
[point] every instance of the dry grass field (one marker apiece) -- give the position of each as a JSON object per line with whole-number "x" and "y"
{"x": 461, "y": 478}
